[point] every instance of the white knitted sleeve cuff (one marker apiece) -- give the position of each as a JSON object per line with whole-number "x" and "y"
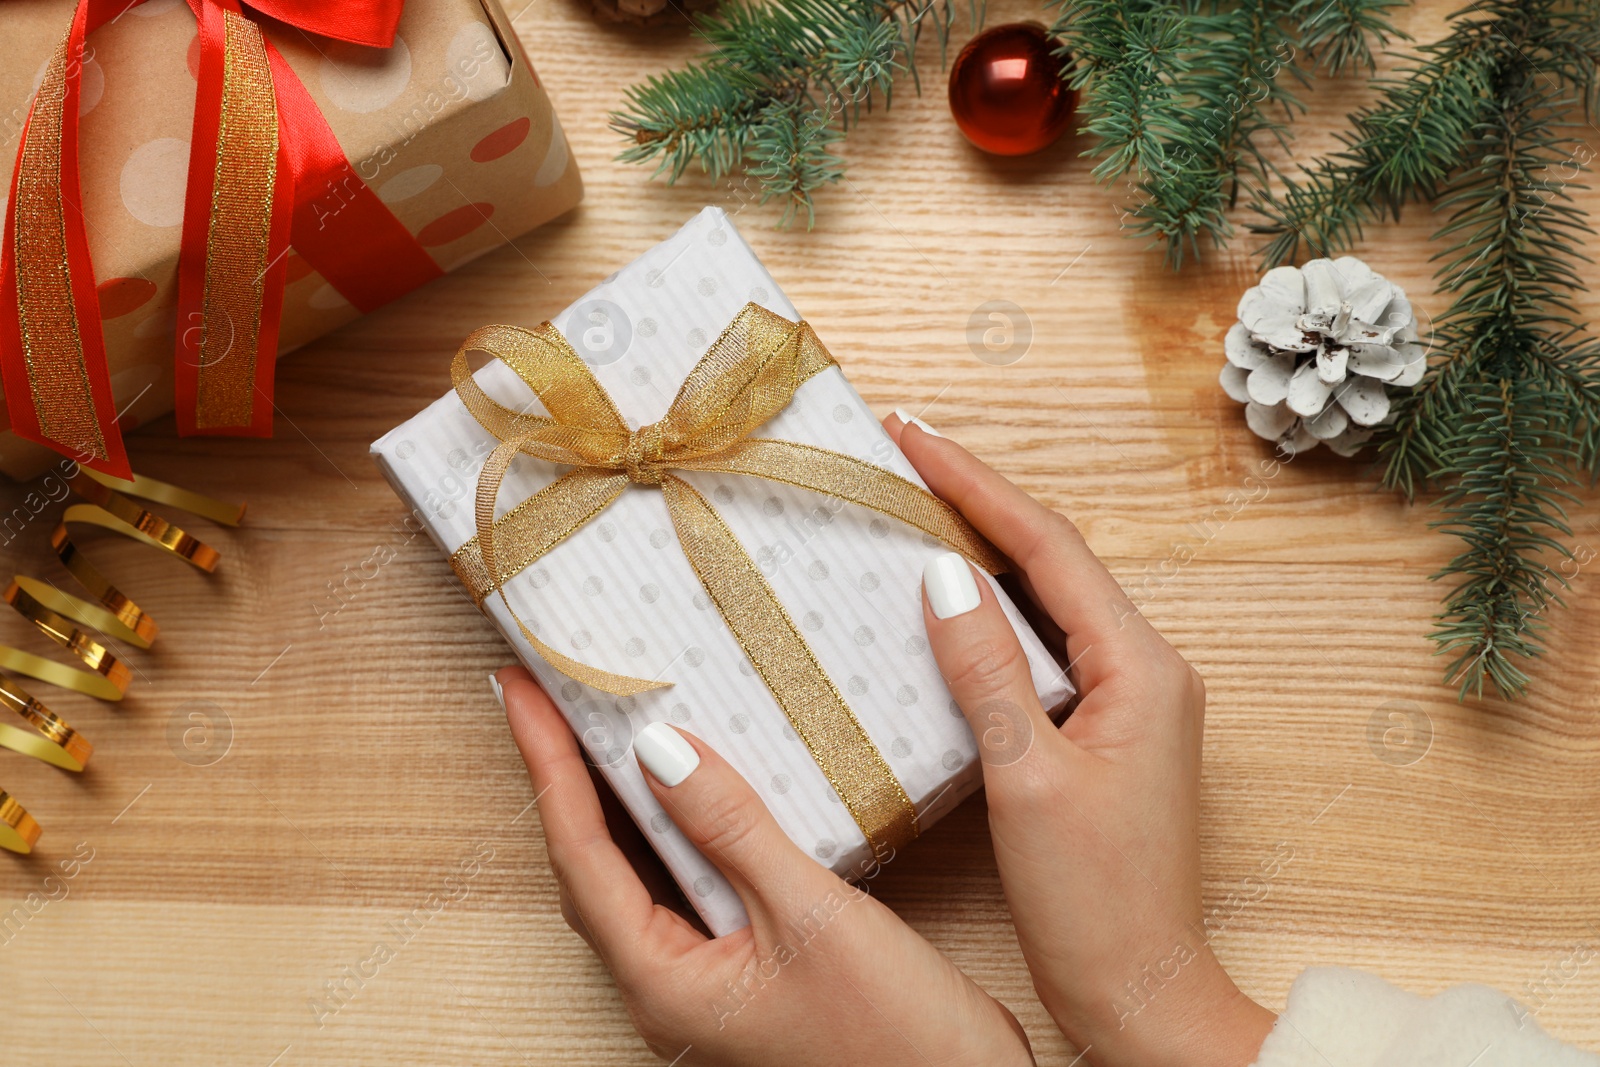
{"x": 1344, "y": 1018}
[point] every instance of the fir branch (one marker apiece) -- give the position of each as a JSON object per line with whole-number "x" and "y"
{"x": 1524, "y": 413}
{"x": 701, "y": 113}
{"x": 1339, "y": 33}
{"x": 1397, "y": 151}
{"x": 1505, "y": 502}
{"x": 790, "y": 152}
{"x": 1185, "y": 98}
{"x": 783, "y": 82}
{"x": 1236, "y": 94}
{"x": 1128, "y": 59}
{"x": 1509, "y": 413}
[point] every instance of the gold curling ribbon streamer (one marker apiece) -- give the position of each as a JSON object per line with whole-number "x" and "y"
{"x": 54, "y": 742}
{"x": 748, "y": 376}
{"x": 68, "y": 620}
{"x": 18, "y": 831}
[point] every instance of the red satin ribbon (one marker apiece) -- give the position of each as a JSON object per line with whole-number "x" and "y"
{"x": 369, "y": 22}
{"x": 340, "y": 226}
{"x": 320, "y": 206}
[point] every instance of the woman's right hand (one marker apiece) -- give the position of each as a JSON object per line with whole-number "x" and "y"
{"x": 823, "y": 975}
{"x": 1094, "y": 825}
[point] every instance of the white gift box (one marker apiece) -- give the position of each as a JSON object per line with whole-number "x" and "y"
{"x": 619, "y": 594}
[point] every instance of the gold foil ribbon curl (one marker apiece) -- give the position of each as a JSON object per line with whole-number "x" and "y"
{"x": 746, "y": 377}
{"x": 18, "y": 831}
{"x": 71, "y": 622}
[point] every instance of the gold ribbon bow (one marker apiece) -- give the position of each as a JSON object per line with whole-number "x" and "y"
{"x": 748, "y": 376}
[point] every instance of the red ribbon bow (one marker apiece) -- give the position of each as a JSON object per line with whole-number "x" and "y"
{"x": 263, "y": 166}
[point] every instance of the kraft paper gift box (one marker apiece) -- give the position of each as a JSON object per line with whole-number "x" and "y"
{"x": 450, "y": 127}
{"x": 620, "y": 593}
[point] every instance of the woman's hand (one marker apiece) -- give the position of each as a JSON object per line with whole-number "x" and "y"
{"x": 1095, "y": 824}
{"x": 823, "y": 975}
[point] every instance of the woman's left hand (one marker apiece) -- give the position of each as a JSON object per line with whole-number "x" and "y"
{"x": 824, "y": 974}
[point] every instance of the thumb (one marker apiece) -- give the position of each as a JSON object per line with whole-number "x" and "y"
{"x": 724, "y": 818}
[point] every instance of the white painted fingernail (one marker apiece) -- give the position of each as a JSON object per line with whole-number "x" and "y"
{"x": 911, "y": 420}
{"x": 951, "y": 590}
{"x": 665, "y": 754}
{"x": 499, "y": 694}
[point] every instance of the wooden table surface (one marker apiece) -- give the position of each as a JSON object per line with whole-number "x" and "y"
{"x": 365, "y": 757}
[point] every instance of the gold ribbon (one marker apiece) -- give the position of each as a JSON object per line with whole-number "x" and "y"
{"x": 748, "y": 376}
{"x": 239, "y": 230}
{"x": 70, "y": 621}
{"x": 52, "y": 340}
{"x": 18, "y": 831}
{"x": 54, "y": 742}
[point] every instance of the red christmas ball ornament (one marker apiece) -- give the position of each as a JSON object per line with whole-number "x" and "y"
{"x": 1006, "y": 91}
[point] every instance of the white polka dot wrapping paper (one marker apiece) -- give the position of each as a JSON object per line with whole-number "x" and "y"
{"x": 620, "y": 594}
{"x": 450, "y": 128}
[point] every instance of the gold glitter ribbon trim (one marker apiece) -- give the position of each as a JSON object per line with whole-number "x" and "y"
{"x": 746, "y": 377}
{"x": 810, "y": 701}
{"x": 239, "y": 230}
{"x": 52, "y": 343}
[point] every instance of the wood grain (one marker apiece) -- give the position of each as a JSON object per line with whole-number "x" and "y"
{"x": 367, "y": 757}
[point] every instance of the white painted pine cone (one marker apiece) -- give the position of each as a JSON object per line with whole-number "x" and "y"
{"x": 1317, "y": 353}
